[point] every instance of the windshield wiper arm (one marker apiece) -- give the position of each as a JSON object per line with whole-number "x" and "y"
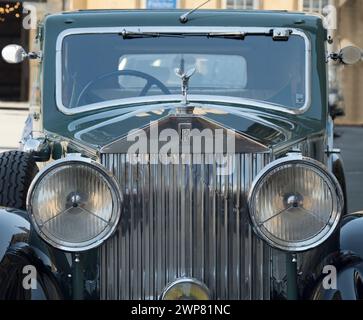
{"x": 135, "y": 35}
{"x": 227, "y": 35}
{"x": 277, "y": 34}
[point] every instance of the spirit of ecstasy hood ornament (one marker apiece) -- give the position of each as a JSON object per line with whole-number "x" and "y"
{"x": 185, "y": 77}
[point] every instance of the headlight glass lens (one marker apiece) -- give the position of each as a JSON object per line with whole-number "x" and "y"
{"x": 295, "y": 205}
{"x": 186, "y": 289}
{"x": 74, "y": 205}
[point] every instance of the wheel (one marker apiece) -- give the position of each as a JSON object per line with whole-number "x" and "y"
{"x": 17, "y": 170}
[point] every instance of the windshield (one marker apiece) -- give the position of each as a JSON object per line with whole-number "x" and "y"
{"x": 104, "y": 68}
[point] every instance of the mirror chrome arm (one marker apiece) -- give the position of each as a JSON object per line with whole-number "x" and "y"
{"x": 349, "y": 55}
{"x": 14, "y": 53}
{"x": 35, "y": 55}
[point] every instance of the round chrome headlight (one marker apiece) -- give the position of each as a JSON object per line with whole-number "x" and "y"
{"x": 186, "y": 289}
{"x": 74, "y": 204}
{"x": 295, "y": 204}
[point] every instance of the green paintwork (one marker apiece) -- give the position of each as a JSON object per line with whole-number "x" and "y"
{"x": 284, "y": 128}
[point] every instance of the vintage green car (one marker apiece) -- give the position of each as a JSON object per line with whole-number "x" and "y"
{"x": 181, "y": 156}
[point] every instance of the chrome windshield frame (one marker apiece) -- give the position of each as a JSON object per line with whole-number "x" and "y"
{"x": 177, "y": 98}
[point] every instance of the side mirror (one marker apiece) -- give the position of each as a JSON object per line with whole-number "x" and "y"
{"x": 14, "y": 53}
{"x": 350, "y": 55}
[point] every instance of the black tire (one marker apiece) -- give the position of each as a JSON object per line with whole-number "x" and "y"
{"x": 17, "y": 170}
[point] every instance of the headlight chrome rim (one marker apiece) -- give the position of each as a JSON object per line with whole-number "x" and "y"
{"x": 322, "y": 235}
{"x": 189, "y": 282}
{"x": 115, "y": 193}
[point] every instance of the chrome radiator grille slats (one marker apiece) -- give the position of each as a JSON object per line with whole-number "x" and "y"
{"x": 184, "y": 220}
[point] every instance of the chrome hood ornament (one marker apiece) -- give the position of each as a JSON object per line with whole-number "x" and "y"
{"x": 185, "y": 77}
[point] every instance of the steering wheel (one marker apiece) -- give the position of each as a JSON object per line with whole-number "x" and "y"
{"x": 150, "y": 81}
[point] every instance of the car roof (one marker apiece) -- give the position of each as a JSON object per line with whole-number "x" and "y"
{"x": 227, "y": 18}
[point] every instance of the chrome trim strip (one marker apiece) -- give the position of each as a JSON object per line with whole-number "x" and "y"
{"x": 175, "y": 98}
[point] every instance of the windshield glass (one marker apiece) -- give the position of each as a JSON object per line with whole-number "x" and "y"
{"x": 102, "y": 68}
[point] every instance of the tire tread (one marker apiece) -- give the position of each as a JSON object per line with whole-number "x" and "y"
{"x": 17, "y": 170}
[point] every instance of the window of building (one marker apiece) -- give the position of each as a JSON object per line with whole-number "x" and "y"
{"x": 316, "y": 6}
{"x": 243, "y": 4}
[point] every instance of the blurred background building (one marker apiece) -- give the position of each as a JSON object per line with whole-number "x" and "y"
{"x": 18, "y": 85}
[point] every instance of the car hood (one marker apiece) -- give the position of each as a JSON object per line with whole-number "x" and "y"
{"x": 257, "y": 128}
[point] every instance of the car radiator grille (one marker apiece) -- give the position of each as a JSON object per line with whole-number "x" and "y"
{"x": 183, "y": 220}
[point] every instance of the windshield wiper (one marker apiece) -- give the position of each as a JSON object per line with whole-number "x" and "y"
{"x": 135, "y": 35}
{"x": 227, "y": 35}
{"x": 278, "y": 34}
